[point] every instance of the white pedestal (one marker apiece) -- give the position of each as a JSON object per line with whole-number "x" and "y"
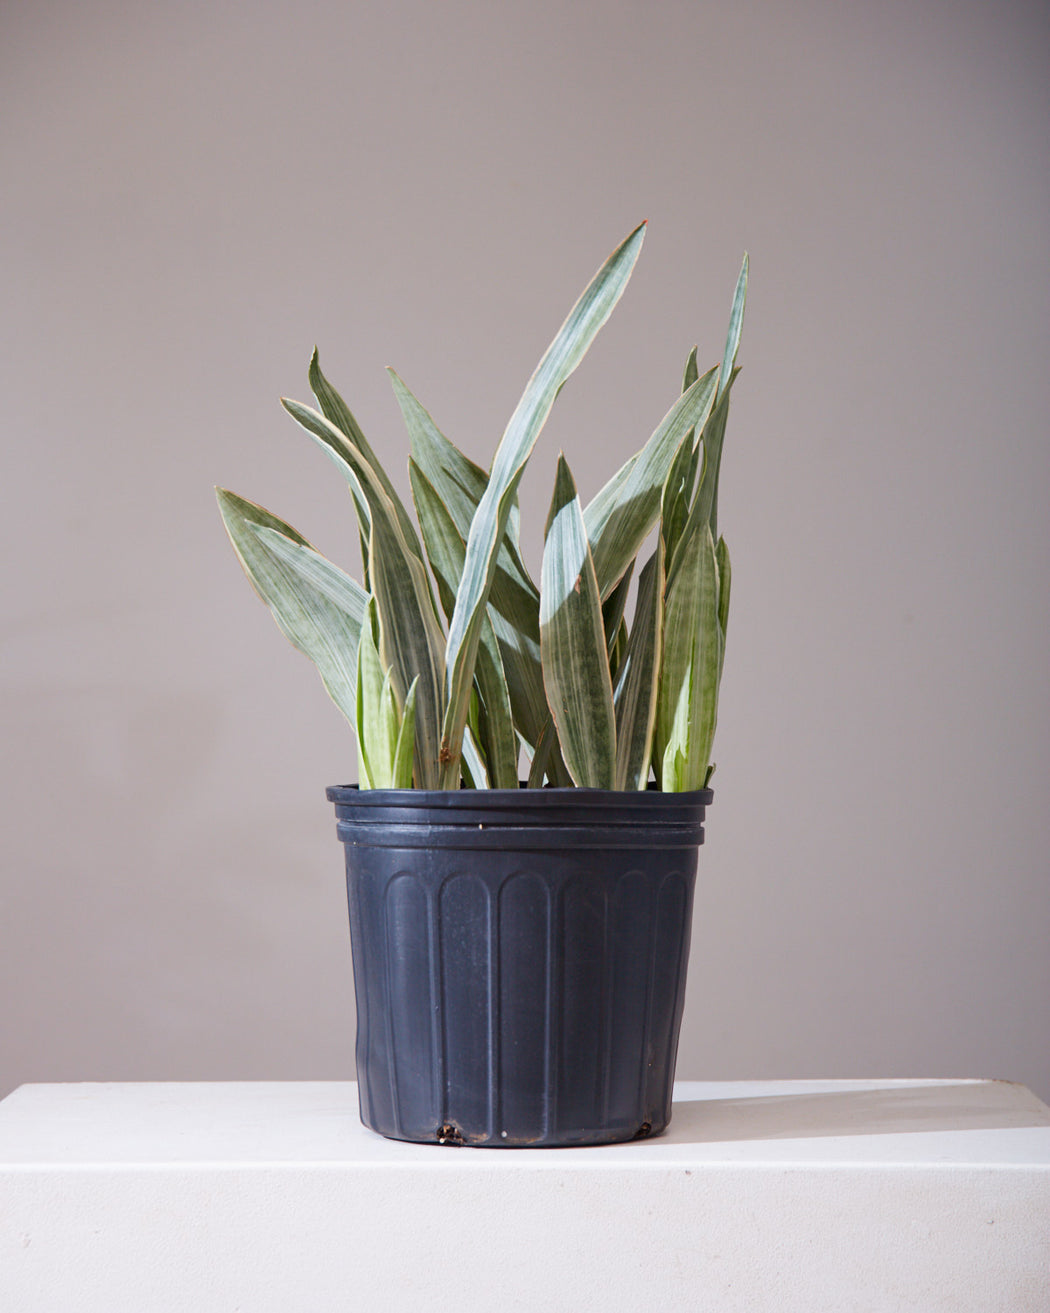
{"x": 763, "y": 1195}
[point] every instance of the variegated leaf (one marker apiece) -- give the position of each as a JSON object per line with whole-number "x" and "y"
{"x": 621, "y": 515}
{"x": 456, "y": 479}
{"x": 637, "y": 678}
{"x": 572, "y": 643}
{"x": 404, "y": 753}
{"x": 736, "y": 324}
{"x": 318, "y": 608}
{"x": 618, "y": 649}
{"x": 714, "y": 434}
{"x": 705, "y": 502}
{"x": 490, "y": 521}
{"x": 378, "y": 722}
{"x": 691, "y": 372}
{"x": 725, "y": 579}
{"x": 412, "y": 640}
{"x": 338, "y": 413}
{"x": 613, "y": 609}
{"x": 475, "y": 769}
{"x": 445, "y": 551}
{"x": 541, "y": 757}
{"x": 687, "y": 702}
{"x": 677, "y": 494}
{"x": 514, "y": 600}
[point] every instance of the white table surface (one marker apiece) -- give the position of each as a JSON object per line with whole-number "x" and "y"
{"x": 779, "y": 1195}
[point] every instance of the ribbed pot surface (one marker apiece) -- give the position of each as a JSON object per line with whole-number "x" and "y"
{"x": 519, "y": 959}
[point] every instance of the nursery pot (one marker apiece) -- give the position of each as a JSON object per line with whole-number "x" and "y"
{"x": 519, "y": 959}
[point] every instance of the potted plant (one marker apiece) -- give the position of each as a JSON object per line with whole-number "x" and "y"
{"x": 519, "y": 952}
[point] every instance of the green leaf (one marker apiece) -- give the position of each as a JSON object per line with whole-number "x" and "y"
{"x": 443, "y": 545}
{"x": 514, "y": 600}
{"x": 475, "y": 771}
{"x": 714, "y": 433}
{"x": 678, "y": 494}
{"x": 490, "y": 521}
{"x": 369, "y": 686}
{"x": 460, "y": 484}
{"x": 445, "y": 551}
{"x": 691, "y": 372}
{"x": 725, "y": 579}
{"x": 540, "y": 758}
{"x": 317, "y": 608}
{"x": 613, "y": 609}
{"x": 405, "y": 750}
{"x": 377, "y": 715}
{"x": 714, "y": 436}
{"x": 312, "y": 569}
{"x": 687, "y": 703}
{"x": 497, "y": 736}
{"x": 412, "y": 640}
{"x": 519, "y": 647}
{"x": 678, "y": 487}
{"x": 637, "y": 678}
{"x": 338, "y": 413}
{"x": 621, "y": 515}
{"x": 736, "y": 324}
{"x": 572, "y": 643}
{"x": 705, "y": 503}
{"x": 457, "y": 480}
{"x": 618, "y": 649}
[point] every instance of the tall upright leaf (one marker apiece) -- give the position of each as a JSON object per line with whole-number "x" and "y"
{"x": 705, "y": 503}
{"x": 317, "y": 608}
{"x": 540, "y": 758}
{"x": 378, "y": 721}
{"x": 637, "y": 679}
{"x": 457, "y": 480}
{"x": 475, "y": 768}
{"x": 412, "y": 640}
{"x": 613, "y": 609}
{"x": 490, "y": 521}
{"x": 736, "y": 323}
{"x": 460, "y": 484}
{"x": 691, "y": 372}
{"x": 688, "y": 697}
{"x": 514, "y": 600}
{"x": 677, "y": 493}
{"x": 338, "y": 413}
{"x": 620, "y": 517}
{"x": 725, "y": 579}
{"x": 572, "y": 643}
{"x": 445, "y": 551}
{"x": 715, "y": 434}
{"x": 404, "y": 750}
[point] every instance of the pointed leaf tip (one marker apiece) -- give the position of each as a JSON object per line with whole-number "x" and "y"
{"x": 493, "y": 515}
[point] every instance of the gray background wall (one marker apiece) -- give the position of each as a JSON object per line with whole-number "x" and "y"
{"x": 195, "y": 194}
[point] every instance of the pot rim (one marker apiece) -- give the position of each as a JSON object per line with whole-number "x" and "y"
{"x": 491, "y": 818}
{"x": 522, "y": 795}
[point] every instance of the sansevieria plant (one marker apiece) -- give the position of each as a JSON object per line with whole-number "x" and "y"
{"x": 448, "y": 661}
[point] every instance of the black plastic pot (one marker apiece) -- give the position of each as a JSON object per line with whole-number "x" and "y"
{"x": 519, "y": 959}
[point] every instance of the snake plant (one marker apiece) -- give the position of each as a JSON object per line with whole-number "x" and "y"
{"x": 449, "y": 662}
